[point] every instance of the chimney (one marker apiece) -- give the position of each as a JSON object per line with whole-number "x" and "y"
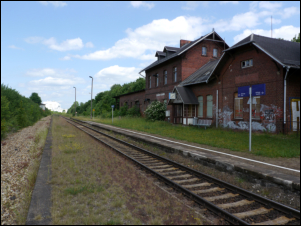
{"x": 183, "y": 42}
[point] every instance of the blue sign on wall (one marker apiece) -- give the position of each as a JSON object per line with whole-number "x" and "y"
{"x": 243, "y": 91}
{"x": 258, "y": 90}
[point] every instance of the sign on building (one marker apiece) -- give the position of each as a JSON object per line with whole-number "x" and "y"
{"x": 172, "y": 96}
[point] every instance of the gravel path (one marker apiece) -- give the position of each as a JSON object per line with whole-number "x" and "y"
{"x": 15, "y": 161}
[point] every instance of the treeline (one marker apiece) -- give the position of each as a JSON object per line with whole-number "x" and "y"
{"x": 18, "y": 111}
{"x": 103, "y": 101}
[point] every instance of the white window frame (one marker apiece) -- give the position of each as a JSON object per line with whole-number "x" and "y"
{"x": 247, "y": 63}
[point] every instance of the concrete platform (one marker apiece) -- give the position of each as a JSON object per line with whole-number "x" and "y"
{"x": 253, "y": 170}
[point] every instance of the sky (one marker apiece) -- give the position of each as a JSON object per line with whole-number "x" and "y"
{"x": 50, "y": 47}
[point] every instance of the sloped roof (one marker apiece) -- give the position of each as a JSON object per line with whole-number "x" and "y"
{"x": 180, "y": 50}
{"x": 201, "y": 75}
{"x": 160, "y": 53}
{"x": 187, "y": 95}
{"x": 284, "y": 52}
{"x": 169, "y": 48}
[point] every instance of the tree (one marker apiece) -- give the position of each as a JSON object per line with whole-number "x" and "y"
{"x": 296, "y": 39}
{"x": 155, "y": 111}
{"x": 35, "y": 98}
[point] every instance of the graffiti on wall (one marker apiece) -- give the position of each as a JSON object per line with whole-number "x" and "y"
{"x": 268, "y": 116}
{"x": 295, "y": 107}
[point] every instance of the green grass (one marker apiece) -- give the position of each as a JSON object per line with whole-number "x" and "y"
{"x": 263, "y": 144}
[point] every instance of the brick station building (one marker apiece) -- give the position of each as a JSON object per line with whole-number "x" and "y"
{"x": 205, "y": 75}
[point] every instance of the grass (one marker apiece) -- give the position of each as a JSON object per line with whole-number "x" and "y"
{"x": 263, "y": 144}
{"x": 96, "y": 186}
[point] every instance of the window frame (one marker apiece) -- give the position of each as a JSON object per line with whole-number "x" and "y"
{"x": 216, "y": 52}
{"x": 165, "y": 77}
{"x": 150, "y": 82}
{"x": 207, "y": 106}
{"x": 240, "y": 105}
{"x": 254, "y": 108}
{"x": 175, "y": 74}
{"x": 157, "y": 79}
{"x": 246, "y": 63}
{"x": 204, "y": 48}
{"x": 201, "y": 103}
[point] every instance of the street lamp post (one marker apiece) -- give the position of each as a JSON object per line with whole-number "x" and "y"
{"x": 91, "y": 94}
{"x": 75, "y": 102}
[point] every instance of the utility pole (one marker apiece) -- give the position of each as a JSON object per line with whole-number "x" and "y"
{"x": 91, "y": 94}
{"x": 75, "y": 102}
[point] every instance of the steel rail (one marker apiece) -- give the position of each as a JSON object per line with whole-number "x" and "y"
{"x": 267, "y": 202}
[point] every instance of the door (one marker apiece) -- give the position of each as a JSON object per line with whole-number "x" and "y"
{"x": 178, "y": 114}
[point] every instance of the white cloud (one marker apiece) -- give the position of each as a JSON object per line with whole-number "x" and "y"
{"x": 285, "y": 32}
{"x": 269, "y": 5}
{"x": 137, "y": 4}
{"x": 288, "y": 12}
{"x": 54, "y": 106}
{"x": 54, "y": 81}
{"x": 275, "y": 21}
{"x": 116, "y": 74}
{"x": 226, "y": 2}
{"x": 69, "y": 44}
{"x": 66, "y": 58}
{"x": 142, "y": 42}
{"x": 59, "y": 73}
{"x": 54, "y": 3}
{"x": 15, "y": 47}
{"x": 89, "y": 45}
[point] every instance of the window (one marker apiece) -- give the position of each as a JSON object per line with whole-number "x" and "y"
{"x": 150, "y": 81}
{"x": 189, "y": 110}
{"x": 200, "y": 110}
{"x": 247, "y": 63}
{"x": 175, "y": 74}
{"x": 204, "y": 51}
{"x": 238, "y": 107}
{"x": 214, "y": 52}
{"x": 165, "y": 77}
{"x": 165, "y": 102}
{"x": 256, "y": 107}
{"x": 209, "y": 106}
{"x": 157, "y": 79}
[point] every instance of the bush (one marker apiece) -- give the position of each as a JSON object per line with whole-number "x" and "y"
{"x": 134, "y": 112}
{"x": 155, "y": 111}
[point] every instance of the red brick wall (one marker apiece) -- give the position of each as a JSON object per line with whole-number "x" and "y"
{"x": 193, "y": 59}
{"x": 131, "y": 98}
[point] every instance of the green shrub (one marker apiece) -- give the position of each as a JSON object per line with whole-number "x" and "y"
{"x": 155, "y": 111}
{"x": 134, "y": 112}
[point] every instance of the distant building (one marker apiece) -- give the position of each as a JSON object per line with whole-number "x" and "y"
{"x": 43, "y": 106}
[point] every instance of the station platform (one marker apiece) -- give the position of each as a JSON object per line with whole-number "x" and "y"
{"x": 263, "y": 170}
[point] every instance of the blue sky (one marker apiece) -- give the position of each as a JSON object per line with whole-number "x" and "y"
{"x": 50, "y": 47}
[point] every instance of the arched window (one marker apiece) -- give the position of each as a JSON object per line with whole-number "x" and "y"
{"x": 165, "y": 77}
{"x": 200, "y": 109}
{"x": 209, "y": 106}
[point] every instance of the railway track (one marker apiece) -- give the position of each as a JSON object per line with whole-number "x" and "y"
{"x": 235, "y": 205}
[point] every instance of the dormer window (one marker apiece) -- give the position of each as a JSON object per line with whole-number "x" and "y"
{"x": 204, "y": 51}
{"x": 214, "y": 52}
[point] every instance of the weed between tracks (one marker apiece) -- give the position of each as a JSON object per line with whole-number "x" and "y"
{"x": 94, "y": 185}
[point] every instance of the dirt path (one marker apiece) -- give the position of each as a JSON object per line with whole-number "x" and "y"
{"x": 20, "y": 152}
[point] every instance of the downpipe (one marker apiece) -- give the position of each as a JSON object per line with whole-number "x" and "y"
{"x": 284, "y": 107}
